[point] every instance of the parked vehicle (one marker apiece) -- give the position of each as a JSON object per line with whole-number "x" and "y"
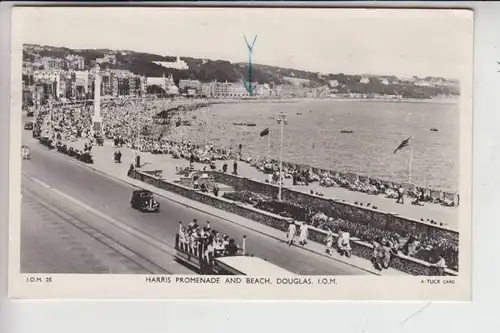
{"x": 28, "y": 126}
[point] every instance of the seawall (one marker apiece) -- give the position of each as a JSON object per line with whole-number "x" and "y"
{"x": 335, "y": 208}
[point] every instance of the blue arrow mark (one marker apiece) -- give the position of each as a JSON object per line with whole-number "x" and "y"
{"x": 248, "y": 84}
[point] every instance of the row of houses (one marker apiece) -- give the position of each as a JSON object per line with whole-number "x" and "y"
{"x": 385, "y": 81}
{"x": 58, "y": 83}
{"x": 71, "y": 62}
{"x": 80, "y": 84}
{"x": 242, "y": 89}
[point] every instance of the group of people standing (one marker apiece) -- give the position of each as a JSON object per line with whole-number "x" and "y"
{"x": 292, "y": 233}
{"x": 209, "y": 243}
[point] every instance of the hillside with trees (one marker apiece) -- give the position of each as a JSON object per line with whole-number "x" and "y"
{"x": 207, "y": 70}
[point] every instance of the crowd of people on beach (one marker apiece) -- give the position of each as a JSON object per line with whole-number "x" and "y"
{"x": 127, "y": 122}
{"x": 329, "y": 179}
{"x": 131, "y": 123}
{"x": 64, "y": 123}
{"x": 55, "y": 125}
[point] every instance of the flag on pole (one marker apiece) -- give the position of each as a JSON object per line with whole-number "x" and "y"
{"x": 264, "y": 132}
{"x": 403, "y": 144}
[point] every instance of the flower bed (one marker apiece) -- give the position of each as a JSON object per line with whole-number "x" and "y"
{"x": 424, "y": 248}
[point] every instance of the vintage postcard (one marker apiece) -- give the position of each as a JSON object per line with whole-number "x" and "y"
{"x": 241, "y": 153}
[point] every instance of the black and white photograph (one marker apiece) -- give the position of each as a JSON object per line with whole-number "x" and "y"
{"x": 198, "y": 150}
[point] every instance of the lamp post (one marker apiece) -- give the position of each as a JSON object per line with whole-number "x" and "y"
{"x": 282, "y": 121}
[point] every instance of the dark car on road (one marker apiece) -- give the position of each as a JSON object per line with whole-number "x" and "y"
{"x": 28, "y": 125}
{"x": 29, "y": 113}
{"x": 144, "y": 201}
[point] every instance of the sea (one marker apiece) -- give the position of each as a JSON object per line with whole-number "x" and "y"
{"x": 312, "y": 136}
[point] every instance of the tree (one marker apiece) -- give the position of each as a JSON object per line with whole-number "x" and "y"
{"x": 156, "y": 90}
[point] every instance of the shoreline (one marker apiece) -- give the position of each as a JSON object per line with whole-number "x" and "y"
{"x": 302, "y": 165}
{"x": 298, "y": 100}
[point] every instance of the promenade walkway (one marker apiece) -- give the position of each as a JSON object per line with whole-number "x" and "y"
{"x": 104, "y": 162}
{"x": 446, "y": 215}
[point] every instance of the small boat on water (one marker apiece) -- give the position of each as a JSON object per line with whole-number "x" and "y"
{"x": 434, "y": 129}
{"x": 245, "y": 124}
{"x": 299, "y": 113}
{"x": 346, "y": 131}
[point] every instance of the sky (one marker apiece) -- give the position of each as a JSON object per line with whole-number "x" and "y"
{"x": 352, "y": 41}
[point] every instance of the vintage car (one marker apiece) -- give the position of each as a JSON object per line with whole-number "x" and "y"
{"x": 28, "y": 125}
{"x": 143, "y": 200}
{"x": 30, "y": 113}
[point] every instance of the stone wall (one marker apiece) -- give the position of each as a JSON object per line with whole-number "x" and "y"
{"x": 361, "y": 249}
{"x": 400, "y": 262}
{"x": 336, "y": 208}
{"x": 247, "y": 211}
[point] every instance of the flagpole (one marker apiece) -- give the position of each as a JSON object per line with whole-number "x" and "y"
{"x": 409, "y": 164}
{"x": 269, "y": 142}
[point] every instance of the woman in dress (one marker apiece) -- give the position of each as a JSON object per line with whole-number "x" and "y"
{"x": 329, "y": 242}
{"x": 292, "y": 231}
{"x": 304, "y": 231}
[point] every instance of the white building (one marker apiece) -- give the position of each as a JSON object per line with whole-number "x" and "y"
{"x": 209, "y": 88}
{"x": 82, "y": 80}
{"x": 108, "y": 58}
{"x": 264, "y": 90}
{"x": 364, "y": 80}
{"x": 178, "y": 64}
{"x": 238, "y": 89}
{"x": 75, "y": 62}
{"x": 333, "y": 83}
{"x": 423, "y": 83}
{"x": 48, "y": 74}
{"x": 167, "y": 84}
{"x": 190, "y": 84}
{"x": 51, "y": 76}
{"x": 52, "y": 63}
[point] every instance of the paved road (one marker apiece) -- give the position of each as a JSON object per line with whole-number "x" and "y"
{"x": 112, "y": 197}
{"x": 59, "y": 236}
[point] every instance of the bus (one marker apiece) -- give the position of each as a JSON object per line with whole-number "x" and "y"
{"x": 220, "y": 262}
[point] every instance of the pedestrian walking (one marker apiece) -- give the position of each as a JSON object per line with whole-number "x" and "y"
{"x": 329, "y": 242}
{"x": 291, "y": 233}
{"x": 235, "y": 168}
{"x": 401, "y": 193}
{"x": 304, "y": 231}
